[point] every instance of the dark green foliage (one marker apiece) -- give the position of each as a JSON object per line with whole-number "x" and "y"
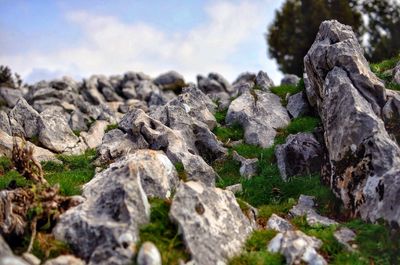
{"x": 281, "y": 209}
{"x": 181, "y": 171}
{"x": 259, "y": 240}
{"x": 228, "y": 170}
{"x": 383, "y": 71}
{"x": 295, "y": 26}
{"x": 383, "y": 28}
{"x": 111, "y": 127}
{"x": 77, "y": 132}
{"x": 164, "y": 234}
{"x": 72, "y": 173}
{"x": 7, "y": 79}
{"x": 283, "y": 90}
{"x": 302, "y": 124}
{"x": 220, "y": 116}
{"x": 234, "y": 132}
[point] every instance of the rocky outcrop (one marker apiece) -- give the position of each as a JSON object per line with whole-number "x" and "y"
{"x": 213, "y": 226}
{"x": 300, "y": 154}
{"x": 298, "y": 105}
{"x": 260, "y": 114}
{"x": 104, "y": 228}
{"x": 364, "y": 167}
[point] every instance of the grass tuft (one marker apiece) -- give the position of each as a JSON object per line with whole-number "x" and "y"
{"x": 111, "y": 127}
{"x": 283, "y": 90}
{"x": 234, "y": 132}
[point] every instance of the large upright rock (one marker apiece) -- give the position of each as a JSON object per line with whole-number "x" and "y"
{"x": 24, "y": 119}
{"x": 214, "y": 227}
{"x": 260, "y": 113}
{"x": 364, "y": 162}
{"x": 105, "y": 227}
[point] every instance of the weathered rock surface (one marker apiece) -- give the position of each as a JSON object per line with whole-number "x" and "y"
{"x": 104, "y": 228}
{"x": 345, "y": 236}
{"x": 213, "y": 226}
{"x": 300, "y": 154}
{"x": 297, "y": 247}
{"x": 305, "y": 207}
{"x": 396, "y": 74}
{"x": 391, "y": 114}
{"x": 24, "y": 119}
{"x": 263, "y": 81}
{"x": 149, "y": 255}
{"x": 298, "y": 105}
{"x": 93, "y": 138}
{"x": 214, "y": 83}
{"x": 5, "y": 123}
{"x": 65, "y": 260}
{"x": 364, "y": 160}
{"x": 235, "y": 188}
{"x": 290, "y": 80}
{"x": 279, "y": 224}
{"x": 260, "y": 113}
{"x": 248, "y": 167}
{"x": 10, "y": 96}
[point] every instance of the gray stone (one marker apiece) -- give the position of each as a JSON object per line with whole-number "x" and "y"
{"x": 30, "y": 258}
{"x": 391, "y": 114}
{"x": 110, "y": 95}
{"x": 213, "y": 84}
{"x": 300, "y": 154}
{"x": 213, "y": 226}
{"x": 305, "y": 207}
{"x": 78, "y": 121}
{"x": 55, "y": 133}
{"x": 260, "y": 114}
{"x": 263, "y": 81}
{"x": 107, "y": 224}
{"x": 10, "y": 96}
{"x": 248, "y": 167}
{"x": 279, "y": 224}
{"x": 5, "y": 123}
{"x": 65, "y": 260}
{"x": 345, "y": 236}
{"x": 290, "y": 80}
{"x": 245, "y": 77}
{"x": 149, "y": 255}
{"x": 364, "y": 162}
{"x": 235, "y": 188}
{"x": 396, "y": 74}
{"x": 297, "y": 247}
{"x": 298, "y": 105}
{"x": 170, "y": 81}
{"x": 24, "y": 120}
{"x": 93, "y": 138}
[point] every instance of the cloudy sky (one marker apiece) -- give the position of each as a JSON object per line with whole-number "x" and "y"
{"x": 42, "y": 39}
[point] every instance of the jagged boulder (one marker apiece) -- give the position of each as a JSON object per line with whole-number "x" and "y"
{"x": 260, "y": 113}
{"x": 5, "y": 123}
{"x": 300, "y": 154}
{"x": 298, "y": 105}
{"x": 213, "y": 226}
{"x": 93, "y": 138}
{"x": 10, "y": 96}
{"x": 364, "y": 167}
{"x": 105, "y": 226}
{"x": 24, "y": 120}
{"x": 263, "y": 81}
{"x": 290, "y": 80}
{"x": 214, "y": 83}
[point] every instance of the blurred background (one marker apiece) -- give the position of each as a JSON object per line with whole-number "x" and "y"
{"x": 50, "y": 38}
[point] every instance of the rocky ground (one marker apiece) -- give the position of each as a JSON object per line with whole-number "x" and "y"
{"x": 134, "y": 170}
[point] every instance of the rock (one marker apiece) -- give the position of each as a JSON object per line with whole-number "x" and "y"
{"x": 213, "y": 226}
{"x": 396, "y": 74}
{"x": 30, "y": 258}
{"x": 54, "y": 132}
{"x": 248, "y": 167}
{"x": 7, "y": 257}
{"x": 246, "y": 77}
{"x": 5, "y": 123}
{"x": 105, "y": 227}
{"x": 298, "y": 105}
{"x": 345, "y": 236}
{"x": 391, "y": 114}
{"x": 263, "y": 81}
{"x": 300, "y": 154}
{"x": 149, "y": 255}
{"x": 65, "y": 260}
{"x": 160, "y": 137}
{"x": 40, "y": 154}
{"x": 90, "y": 91}
{"x": 290, "y": 80}
{"x": 297, "y": 247}
{"x": 24, "y": 119}
{"x": 305, "y": 207}
{"x": 10, "y": 96}
{"x": 110, "y": 95}
{"x": 78, "y": 121}
{"x": 279, "y": 224}
{"x": 170, "y": 81}
{"x": 260, "y": 114}
{"x": 235, "y": 188}
{"x": 93, "y": 138}
{"x": 214, "y": 84}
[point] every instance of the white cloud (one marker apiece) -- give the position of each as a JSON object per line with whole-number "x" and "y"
{"x": 109, "y": 46}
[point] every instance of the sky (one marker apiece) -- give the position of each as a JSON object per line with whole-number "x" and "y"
{"x": 47, "y": 39}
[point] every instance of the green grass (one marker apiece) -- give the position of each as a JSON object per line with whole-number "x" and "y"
{"x": 283, "y": 90}
{"x": 111, "y": 127}
{"x": 381, "y": 70}
{"x": 228, "y": 170}
{"x": 77, "y": 132}
{"x": 255, "y": 250}
{"x": 234, "y": 132}
{"x": 74, "y": 171}
{"x": 220, "y": 116}
{"x": 182, "y": 174}
{"x": 164, "y": 234}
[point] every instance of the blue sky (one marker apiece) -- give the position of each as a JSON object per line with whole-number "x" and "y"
{"x": 51, "y": 38}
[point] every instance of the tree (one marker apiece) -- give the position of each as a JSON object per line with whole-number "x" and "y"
{"x": 295, "y": 26}
{"x": 383, "y": 29}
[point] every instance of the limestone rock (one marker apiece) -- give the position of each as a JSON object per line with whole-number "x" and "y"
{"x": 93, "y": 138}
{"x": 290, "y": 80}
{"x": 170, "y": 81}
{"x": 65, "y": 260}
{"x": 5, "y": 123}
{"x": 104, "y": 228}
{"x": 364, "y": 161}
{"x": 213, "y": 226}
{"x": 279, "y": 224}
{"x": 213, "y": 83}
{"x": 149, "y": 255}
{"x": 248, "y": 167}
{"x": 300, "y": 154}
{"x": 10, "y": 96}
{"x": 24, "y": 119}
{"x": 263, "y": 81}
{"x": 298, "y": 105}
{"x": 235, "y": 188}
{"x": 260, "y": 113}
{"x": 345, "y": 236}
{"x": 396, "y": 74}
{"x": 297, "y": 247}
{"x": 54, "y": 132}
